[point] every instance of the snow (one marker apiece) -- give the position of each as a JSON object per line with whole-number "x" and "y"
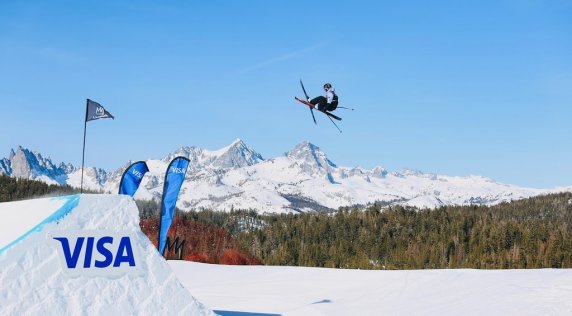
{"x": 236, "y": 176}
{"x": 307, "y": 172}
{"x": 32, "y": 281}
{"x": 29, "y": 214}
{"x": 319, "y": 291}
{"x": 424, "y": 201}
{"x": 222, "y": 151}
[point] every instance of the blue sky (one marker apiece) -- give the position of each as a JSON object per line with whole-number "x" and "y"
{"x": 448, "y": 87}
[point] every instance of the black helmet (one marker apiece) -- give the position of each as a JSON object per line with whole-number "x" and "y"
{"x": 327, "y": 85}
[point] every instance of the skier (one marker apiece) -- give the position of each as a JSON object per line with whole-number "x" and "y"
{"x": 327, "y": 102}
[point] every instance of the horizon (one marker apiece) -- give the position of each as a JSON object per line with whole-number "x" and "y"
{"x": 445, "y": 88}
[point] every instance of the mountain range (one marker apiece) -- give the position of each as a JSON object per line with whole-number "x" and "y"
{"x": 303, "y": 179}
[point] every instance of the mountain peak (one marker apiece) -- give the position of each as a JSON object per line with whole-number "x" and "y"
{"x": 237, "y": 142}
{"x": 28, "y": 164}
{"x": 310, "y": 153}
{"x": 236, "y": 155}
{"x": 379, "y": 171}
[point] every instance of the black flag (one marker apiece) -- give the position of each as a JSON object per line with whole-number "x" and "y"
{"x": 93, "y": 111}
{"x": 96, "y": 111}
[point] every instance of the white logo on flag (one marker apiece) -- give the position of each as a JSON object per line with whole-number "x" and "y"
{"x": 177, "y": 170}
{"x": 99, "y": 111}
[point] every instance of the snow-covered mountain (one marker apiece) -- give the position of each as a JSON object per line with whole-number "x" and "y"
{"x": 303, "y": 179}
{"x": 28, "y": 164}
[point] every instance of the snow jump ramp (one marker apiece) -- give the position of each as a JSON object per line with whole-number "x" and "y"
{"x": 84, "y": 254}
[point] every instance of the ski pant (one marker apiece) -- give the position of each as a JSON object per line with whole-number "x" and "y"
{"x": 321, "y": 102}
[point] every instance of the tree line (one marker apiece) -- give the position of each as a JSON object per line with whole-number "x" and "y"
{"x": 530, "y": 233}
{"x": 14, "y": 189}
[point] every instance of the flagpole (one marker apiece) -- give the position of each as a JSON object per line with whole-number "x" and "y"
{"x": 83, "y": 154}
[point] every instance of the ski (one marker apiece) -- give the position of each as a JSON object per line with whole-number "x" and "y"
{"x": 311, "y": 109}
{"x": 311, "y": 106}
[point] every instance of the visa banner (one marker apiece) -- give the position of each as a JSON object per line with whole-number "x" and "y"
{"x": 174, "y": 178}
{"x": 132, "y": 177}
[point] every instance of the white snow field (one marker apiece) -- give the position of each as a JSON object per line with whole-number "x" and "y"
{"x": 265, "y": 290}
{"x": 84, "y": 254}
{"x": 36, "y": 278}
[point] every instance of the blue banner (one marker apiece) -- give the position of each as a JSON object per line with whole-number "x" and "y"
{"x": 132, "y": 177}
{"x": 173, "y": 180}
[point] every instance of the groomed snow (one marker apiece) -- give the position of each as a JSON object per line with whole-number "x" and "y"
{"x": 265, "y": 290}
{"x": 20, "y": 218}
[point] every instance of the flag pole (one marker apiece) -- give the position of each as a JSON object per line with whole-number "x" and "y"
{"x": 83, "y": 154}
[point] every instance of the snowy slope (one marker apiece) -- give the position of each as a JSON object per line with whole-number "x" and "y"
{"x": 266, "y": 290}
{"x": 36, "y": 280}
{"x": 303, "y": 179}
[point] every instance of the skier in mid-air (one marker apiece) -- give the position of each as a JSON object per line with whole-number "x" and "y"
{"x": 327, "y": 102}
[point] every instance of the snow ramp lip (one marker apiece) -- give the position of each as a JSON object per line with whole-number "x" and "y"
{"x": 72, "y": 202}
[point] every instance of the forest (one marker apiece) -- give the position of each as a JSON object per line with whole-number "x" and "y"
{"x": 531, "y": 233}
